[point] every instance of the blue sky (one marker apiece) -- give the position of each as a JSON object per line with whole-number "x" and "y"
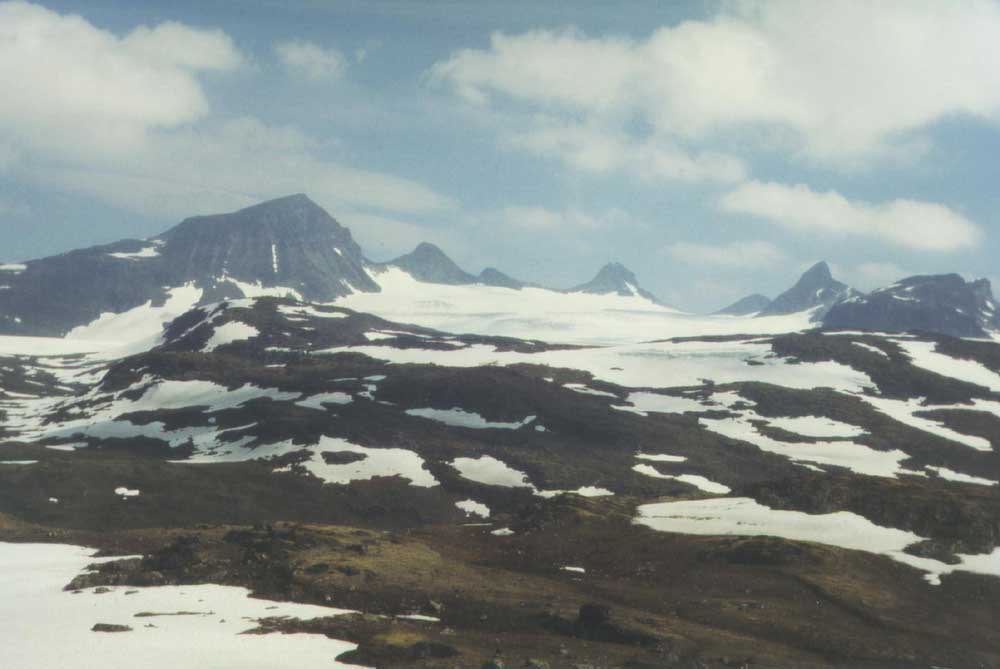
{"x": 716, "y": 148}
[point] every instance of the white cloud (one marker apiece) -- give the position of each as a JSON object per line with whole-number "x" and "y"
{"x": 847, "y": 79}
{"x": 384, "y": 237}
{"x": 870, "y": 275}
{"x": 754, "y": 254}
{"x": 176, "y": 44}
{"x": 922, "y": 226}
{"x": 126, "y": 120}
{"x": 570, "y": 219}
{"x": 601, "y": 151}
{"x": 225, "y": 165}
{"x": 70, "y": 87}
{"x": 542, "y": 219}
{"x": 311, "y": 60}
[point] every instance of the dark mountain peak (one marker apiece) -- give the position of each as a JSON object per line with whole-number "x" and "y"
{"x": 614, "y": 279}
{"x": 286, "y": 245}
{"x": 750, "y": 304}
{"x": 491, "y": 276}
{"x": 941, "y": 303}
{"x": 430, "y": 264}
{"x": 289, "y": 241}
{"x": 818, "y": 275}
{"x": 816, "y": 289}
{"x": 282, "y": 217}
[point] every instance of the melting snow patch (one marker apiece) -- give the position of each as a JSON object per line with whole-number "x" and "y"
{"x": 147, "y": 252}
{"x": 122, "y": 491}
{"x": 815, "y": 426}
{"x": 904, "y": 411}
{"x": 230, "y": 332}
{"x": 309, "y": 311}
{"x": 472, "y": 507}
{"x": 951, "y": 475}
{"x": 502, "y": 532}
{"x": 578, "y": 570}
{"x": 317, "y": 401}
{"x": 924, "y": 354}
{"x": 741, "y": 516}
{"x": 869, "y": 347}
{"x": 18, "y": 462}
{"x": 699, "y": 482}
{"x": 375, "y": 463}
{"x": 490, "y": 471}
{"x": 585, "y": 491}
{"x": 581, "y": 388}
{"x": 14, "y": 268}
{"x": 856, "y": 457}
{"x": 34, "y": 607}
{"x": 461, "y": 418}
{"x": 659, "y": 457}
{"x": 645, "y": 402}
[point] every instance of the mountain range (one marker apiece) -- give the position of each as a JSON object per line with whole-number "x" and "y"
{"x": 291, "y": 246}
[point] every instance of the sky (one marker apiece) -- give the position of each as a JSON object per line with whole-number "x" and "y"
{"x": 715, "y": 148}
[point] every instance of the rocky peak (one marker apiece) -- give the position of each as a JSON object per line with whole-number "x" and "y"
{"x": 815, "y": 289}
{"x": 751, "y": 304}
{"x": 290, "y": 241}
{"x": 942, "y": 303}
{"x": 430, "y": 264}
{"x": 494, "y": 277}
{"x": 614, "y": 279}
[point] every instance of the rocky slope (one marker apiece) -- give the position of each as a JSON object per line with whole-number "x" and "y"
{"x": 751, "y": 304}
{"x": 944, "y": 303}
{"x": 289, "y": 244}
{"x": 816, "y": 290}
{"x": 512, "y": 490}
{"x": 614, "y": 279}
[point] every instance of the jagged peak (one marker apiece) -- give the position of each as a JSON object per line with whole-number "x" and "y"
{"x": 428, "y": 263}
{"x": 614, "y": 278}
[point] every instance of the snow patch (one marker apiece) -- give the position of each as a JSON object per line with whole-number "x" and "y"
{"x": 472, "y": 507}
{"x": 461, "y": 418}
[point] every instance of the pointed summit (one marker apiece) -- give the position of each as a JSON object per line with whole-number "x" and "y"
{"x": 815, "y": 289}
{"x": 491, "y": 276}
{"x": 614, "y": 279}
{"x": 750, "y": 304}
{"x": 430, "y": 264}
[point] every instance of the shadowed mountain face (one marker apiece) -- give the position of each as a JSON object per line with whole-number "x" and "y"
{"x": 816, "y": 289}
{"x": 944, "y": 303}
{"x": 494, "y": 277}
{"x": 614, "y": 278}
{"x": 429, "y": 263}
{"x": 750, "y": 304}
{"x": 289, "y": 242}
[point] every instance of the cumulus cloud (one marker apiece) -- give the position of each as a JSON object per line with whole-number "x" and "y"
{"x": 310, "y": 60}
{"x": 846, "y": 79}
{"x": 922, "y": 226}
{"x": 540, "y": 219}
{"x": 126, "y": 120}
{"x": 601, "y": 151}
{"x": 754, "y": 254}
{"x": 569, "y": 219}
{"x": 72, "y": 87}
{"x": 233, "y": 163}
{"x": 870, "y": 275}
